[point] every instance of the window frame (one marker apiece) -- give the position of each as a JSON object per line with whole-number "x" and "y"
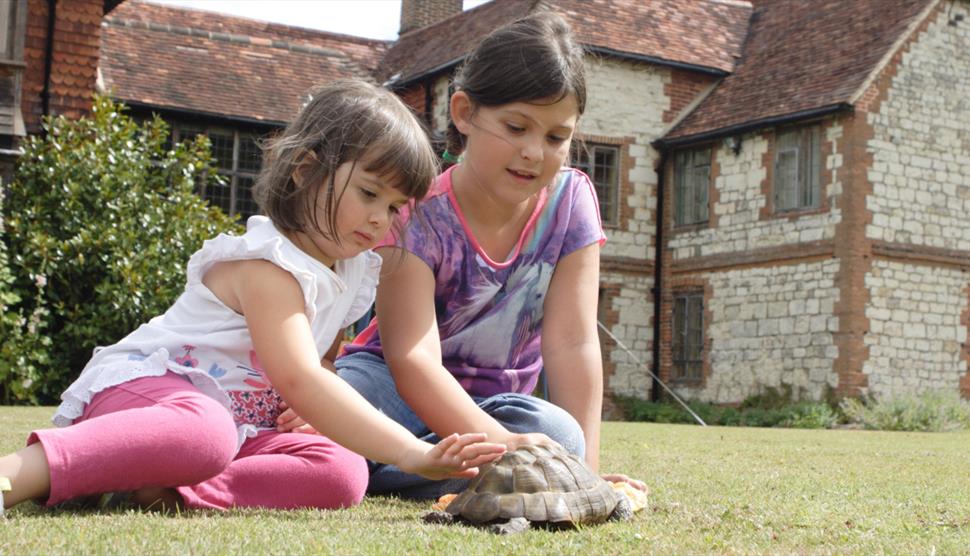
{"x": 688, "y": 188}
{"x": 14, "y": 23}
{"x": 803, "y": 146}
{"x": 235, "y": 174}
{"x": 687, "y": 366}
{"x": 609, "y": 205}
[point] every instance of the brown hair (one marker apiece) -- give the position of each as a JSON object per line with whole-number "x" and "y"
{"x": 346, "y": 121}
{"x": 530, "y": 59}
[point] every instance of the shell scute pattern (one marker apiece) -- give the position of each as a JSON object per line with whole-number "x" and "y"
{"x": 541, "y": 484}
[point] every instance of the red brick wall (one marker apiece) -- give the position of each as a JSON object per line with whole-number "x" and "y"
{"x": 77, "y": 36}
{"x": 415, "y": 98}
{"x": 416, "y": 14}
{"x": 683, "y": 88}
{"x": 610, "y": 317}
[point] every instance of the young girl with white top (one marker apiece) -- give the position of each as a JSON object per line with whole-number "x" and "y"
{"x": 183, "y": 411}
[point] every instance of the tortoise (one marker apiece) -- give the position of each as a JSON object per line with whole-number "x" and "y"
{"x": 535, "y": 485}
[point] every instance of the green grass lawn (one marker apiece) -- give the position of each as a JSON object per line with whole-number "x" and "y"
{"x": 713, "y": 490}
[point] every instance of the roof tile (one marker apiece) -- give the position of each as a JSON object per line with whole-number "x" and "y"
{"x": 801, "y": 56}
{"x": 213, "y": 64}
{"x": 702, "y": 33}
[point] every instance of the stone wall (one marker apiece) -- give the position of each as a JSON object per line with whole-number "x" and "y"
{"x": 625, "y": 107}
{"x": 441, "y": 106}
{"x": 626, "y": 308}
{"x": 769, "y": 279}
{"x": 918, "y": 283}
{"x": 916, "y": 334}
{"x": 770, "y": 326}
{"x": 921, "y": 144}
{"x": 738, "y": 208}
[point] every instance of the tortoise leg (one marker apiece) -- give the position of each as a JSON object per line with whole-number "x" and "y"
{"x": 514, "y": 525}
{"x": 623, "y": 510}
{"x": 438, "y": 516}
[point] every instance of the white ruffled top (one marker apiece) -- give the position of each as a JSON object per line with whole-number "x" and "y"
{"x": 202, "y": 339}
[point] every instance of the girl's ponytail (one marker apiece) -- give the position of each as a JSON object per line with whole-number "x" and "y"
{"x": 454, "y": 145}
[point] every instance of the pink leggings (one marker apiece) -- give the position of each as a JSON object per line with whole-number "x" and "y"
{"x": 163, "y": 432}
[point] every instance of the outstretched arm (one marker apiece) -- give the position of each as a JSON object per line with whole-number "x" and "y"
{"x": 571, "y": 349}
{"x": 289, "y": 421}
{"x": 570, "y": 344}
{"x": 412, "y": 350}
{"x": 272, "y": 303}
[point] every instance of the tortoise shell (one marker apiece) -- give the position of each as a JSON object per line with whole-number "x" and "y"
{"x": 543, "y": 484}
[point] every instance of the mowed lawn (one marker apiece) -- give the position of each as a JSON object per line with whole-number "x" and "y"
{"x": 713, "y": 490}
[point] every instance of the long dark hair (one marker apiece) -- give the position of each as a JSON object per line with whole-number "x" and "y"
{"x": 346, "y": 121}
{"x": 530, "y": 59}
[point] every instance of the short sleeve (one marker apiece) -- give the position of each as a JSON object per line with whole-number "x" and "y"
{"x": 584, "y": 225}
{"x": 257, "y": 243}
{"x": 414, "y": 230}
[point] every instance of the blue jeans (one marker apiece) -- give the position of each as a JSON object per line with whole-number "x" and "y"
{"x": 519, "y": 413}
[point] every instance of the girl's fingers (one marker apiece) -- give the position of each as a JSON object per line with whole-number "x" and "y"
{"x": 482, "y": 459}
{"x": 452, "y": 445}
{"x": 621, "y": 478}
{"x": 481, "y": 449}
{"x": 459, "y": 455}
{"x": 441, "y": 449}
{"x": 286, "y": 416}
{"x": 464, "y": 473}
{"x": 470, "y": 438}
{"x": 289, "y": 421}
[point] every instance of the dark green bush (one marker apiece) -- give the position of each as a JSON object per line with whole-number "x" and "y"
{"x": 23, "y": 346}
{"x": 99, "y": 222}
{"x": 759, "y": 411}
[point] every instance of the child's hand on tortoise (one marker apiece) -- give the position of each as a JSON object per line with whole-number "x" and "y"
{"x": 455, "y": 456}
{"x": 516, "y": 440}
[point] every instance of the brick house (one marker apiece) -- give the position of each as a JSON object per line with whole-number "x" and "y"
{"x": 230, "y": 78}
{"x": 48, "y": 65}
{"x": 815, "y": 233}
{"x": 782, "y": 182}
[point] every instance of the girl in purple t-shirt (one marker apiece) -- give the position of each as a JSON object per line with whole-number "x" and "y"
{"x": 495, "y": 277}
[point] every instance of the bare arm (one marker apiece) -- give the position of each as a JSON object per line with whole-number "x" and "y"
{"x": 289, "y": 421}
{"x": 331, "y": 355}
{"x": 272, "y": 303}
{"x": 412, "y": 350}
{"x": 570, "y": 343}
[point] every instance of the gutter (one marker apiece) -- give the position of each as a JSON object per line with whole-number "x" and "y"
{"x": 657, "y": 290}
{"x": 738, "y": 129}
{"x": 45, "y": 94}
{"x": 706, "y": 70}
{"x": 214, "y": 116}
{"x": 395, "y": 84}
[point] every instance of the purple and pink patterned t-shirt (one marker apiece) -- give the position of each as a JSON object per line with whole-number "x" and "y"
{"x": 489, "y": 313}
